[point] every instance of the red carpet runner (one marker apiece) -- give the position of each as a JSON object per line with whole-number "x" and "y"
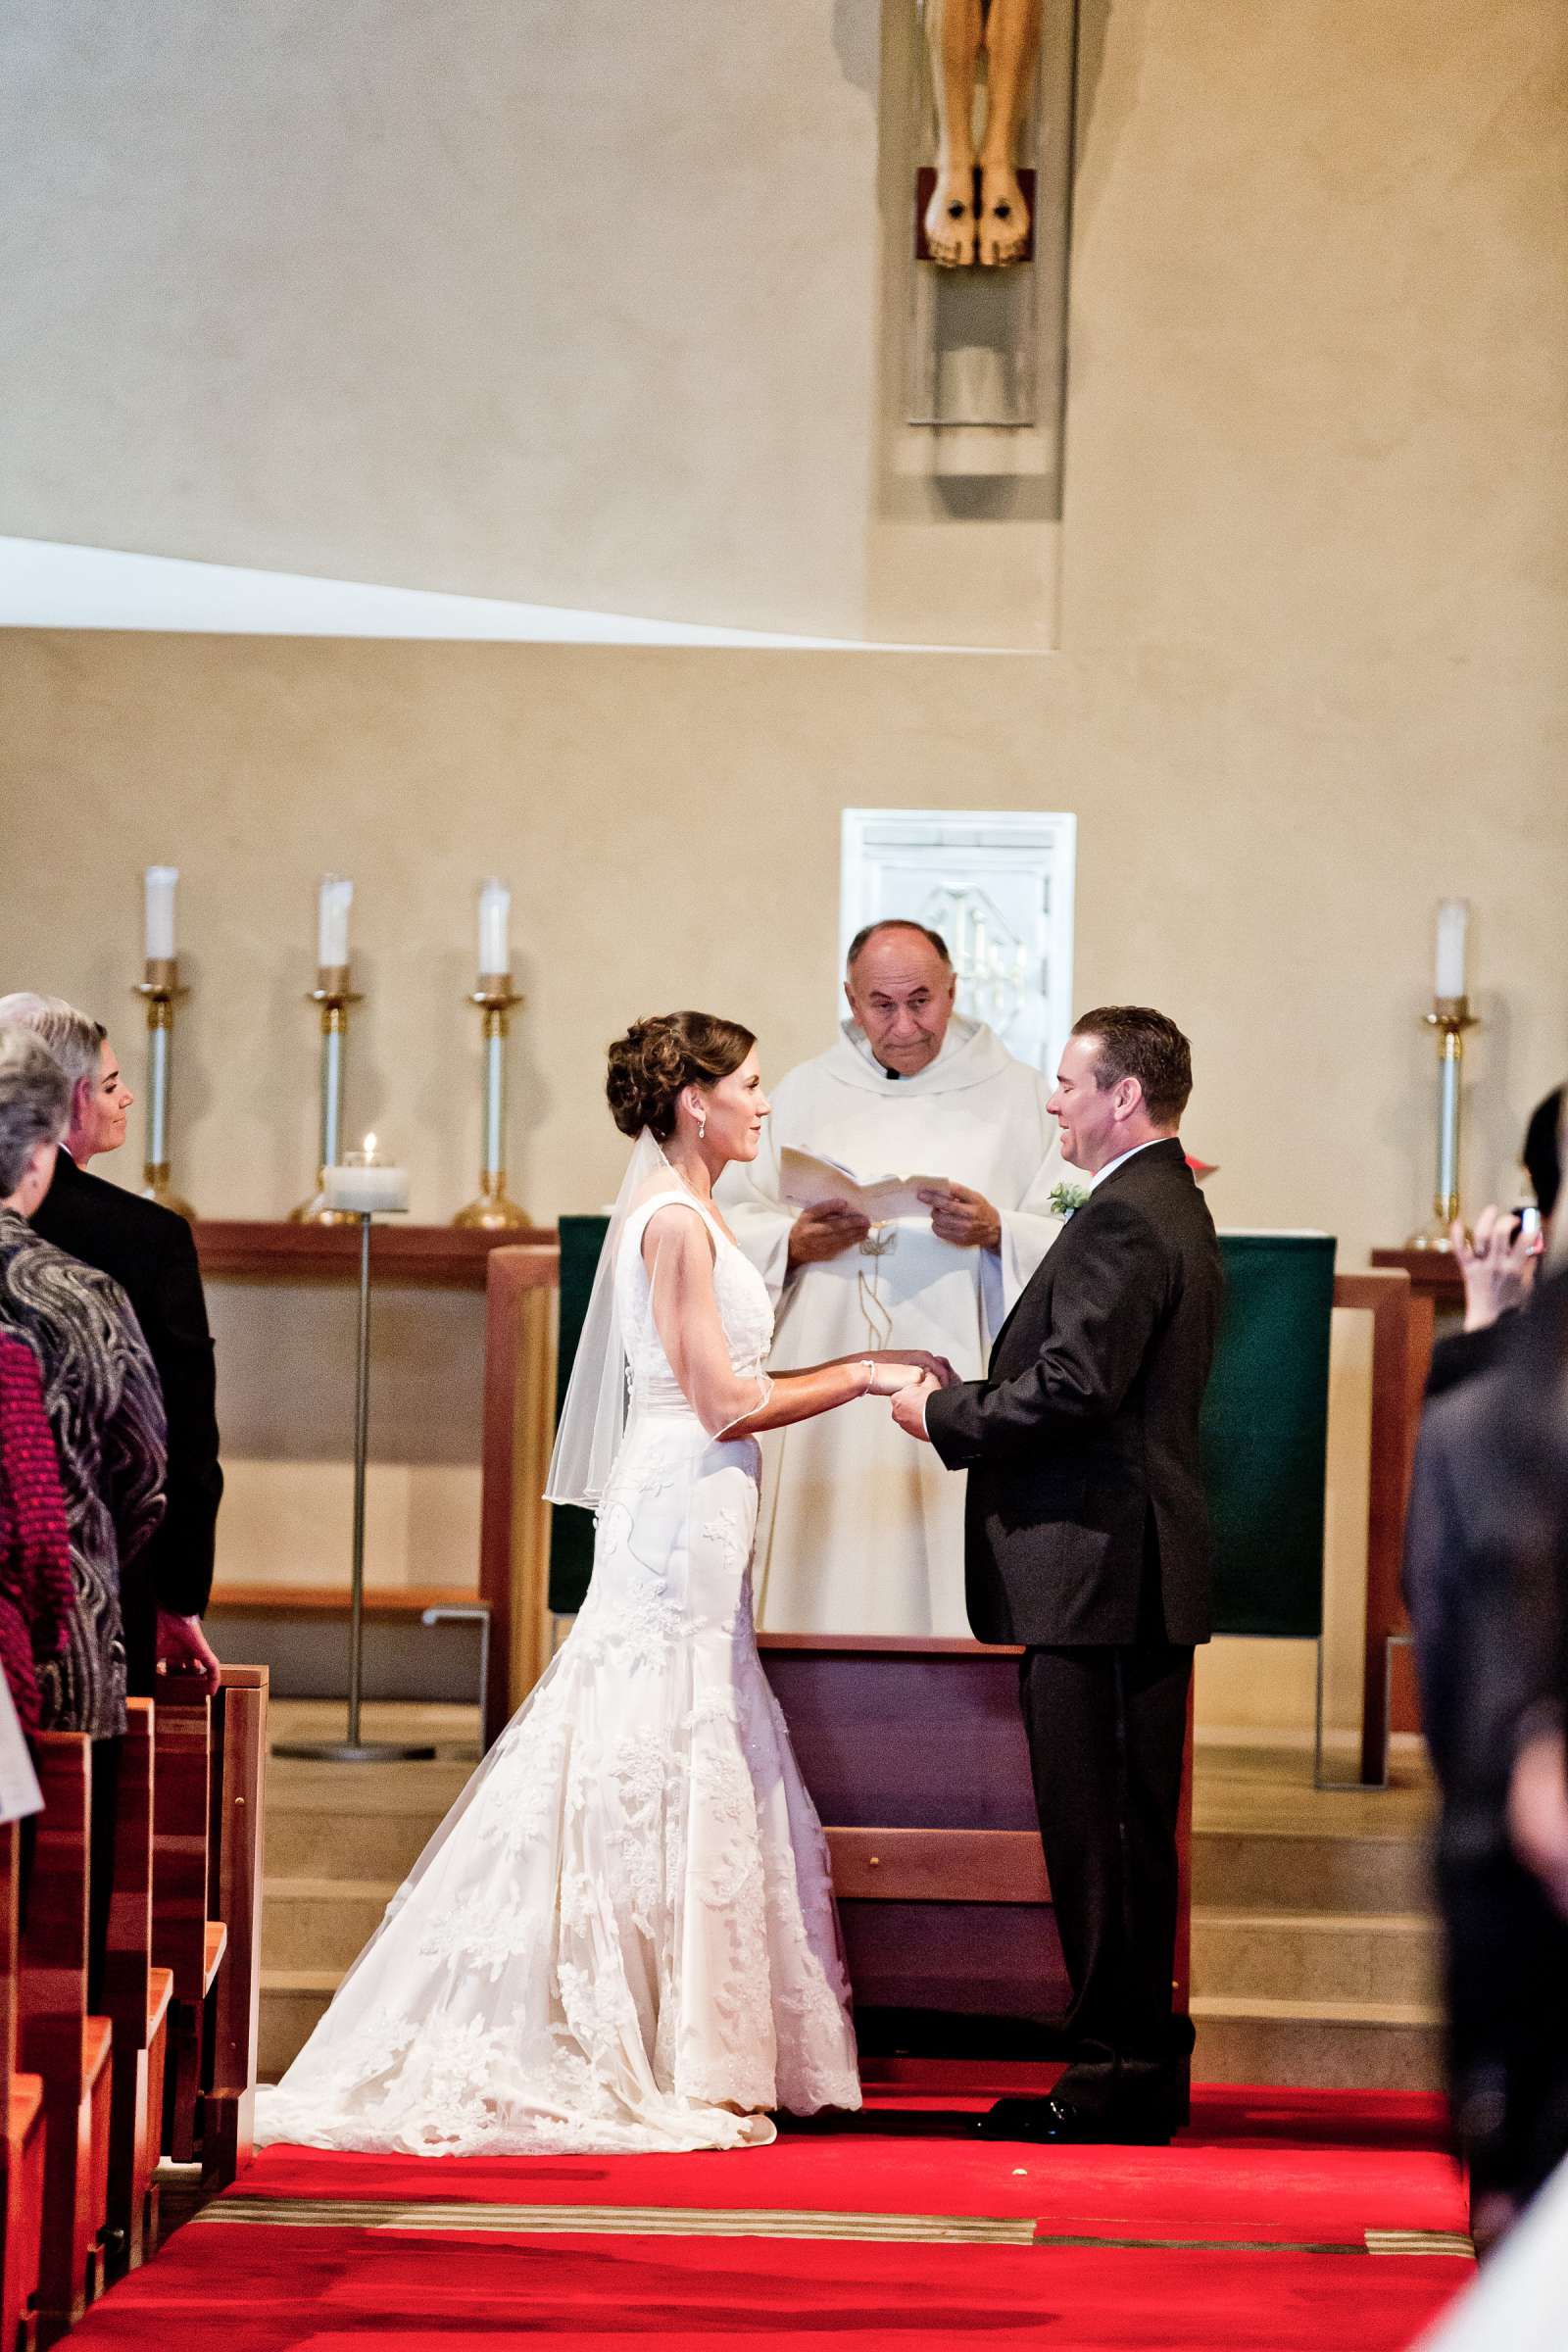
{"x": 1328, "y": 2221}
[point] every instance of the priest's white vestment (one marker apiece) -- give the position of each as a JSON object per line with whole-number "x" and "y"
{"x": 860, "y": 1530}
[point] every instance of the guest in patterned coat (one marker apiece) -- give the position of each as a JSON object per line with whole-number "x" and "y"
{"x": 101, "y": 1394}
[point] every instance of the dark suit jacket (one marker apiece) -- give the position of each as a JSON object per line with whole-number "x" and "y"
{"x": 152, "y": 1255}
{"x": 1086, "y": 1496}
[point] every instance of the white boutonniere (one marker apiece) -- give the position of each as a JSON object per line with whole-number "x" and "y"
{"x": 1065, "y": 1198}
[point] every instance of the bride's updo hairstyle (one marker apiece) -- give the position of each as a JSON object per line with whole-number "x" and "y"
{"x": 657, "y": 1057}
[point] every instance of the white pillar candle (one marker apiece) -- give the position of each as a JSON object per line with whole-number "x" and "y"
{"x": 160, "y": 881}
{"x": 1453, "y": 916}
{"x": 495, "y": 923}
{"x": 332, "y": 921}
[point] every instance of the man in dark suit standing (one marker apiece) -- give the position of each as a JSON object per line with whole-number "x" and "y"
{"x": 1087, "y": 1540}
{"x": 152, "y": 1254}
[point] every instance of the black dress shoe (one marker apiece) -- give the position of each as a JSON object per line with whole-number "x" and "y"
{"x": 1058, "y": 2123}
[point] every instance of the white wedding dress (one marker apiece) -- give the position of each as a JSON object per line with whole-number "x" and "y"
{"x": 623, "y": 1936}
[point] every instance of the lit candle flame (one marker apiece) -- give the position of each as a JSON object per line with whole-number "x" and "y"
{"x": 369, "y": 1147}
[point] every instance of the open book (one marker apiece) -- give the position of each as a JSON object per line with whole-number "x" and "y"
{"x": 805, "y": 1180}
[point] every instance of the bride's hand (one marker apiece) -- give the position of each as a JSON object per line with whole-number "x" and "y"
{"x": 890, "y": 1374}
{"x": 937, "y": 1366}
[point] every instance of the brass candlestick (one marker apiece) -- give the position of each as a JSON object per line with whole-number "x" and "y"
{"x": 1450, "y": 1018}
{"x": 493, "y": 1211}
{"x": 160, "y": 991}
{"x": 334, "y": 996}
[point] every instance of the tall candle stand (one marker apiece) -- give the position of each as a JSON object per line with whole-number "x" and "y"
{"x": 360, "y": 1189}
{"x": 1450, "y": 1018}
{"x": 160, "y": 991}
{"x": 334, "y": 996}
{"x": 493, "y": 1211}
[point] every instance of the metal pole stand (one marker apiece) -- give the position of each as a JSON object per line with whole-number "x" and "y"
{"x": 333, "y": 994}
{"x": 1450, "y": 1018}
{"x": 354, "y": 1749}
{"x": 494, "y": 1211}
{"x": 160, "y": 991}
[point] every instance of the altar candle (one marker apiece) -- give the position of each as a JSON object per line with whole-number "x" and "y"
{"x": 332, "y": 922}
{"x": 366, "y": 1183}
{"x": 494, "y": 922}
{"x": 160, "y": 881}
{"x": 1453, "y": 916}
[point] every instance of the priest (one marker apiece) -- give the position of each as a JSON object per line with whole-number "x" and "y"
{"x": 859, "y": 1531}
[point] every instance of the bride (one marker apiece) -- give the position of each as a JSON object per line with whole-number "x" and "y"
{"x": 622, "y": 1936}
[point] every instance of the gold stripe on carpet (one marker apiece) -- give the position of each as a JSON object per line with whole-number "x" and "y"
{"x": 1420, "y": 2241}
{"x": 678, "y": 2221}
{"x": 626, "y": 2220}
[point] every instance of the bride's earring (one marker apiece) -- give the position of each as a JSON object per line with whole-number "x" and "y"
{"x": 701, "y": 1125}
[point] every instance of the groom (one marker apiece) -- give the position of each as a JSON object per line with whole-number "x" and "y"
{"x": 1087, "y": 1540}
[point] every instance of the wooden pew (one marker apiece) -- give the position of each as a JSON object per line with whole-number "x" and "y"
{"x": 21, "y": 2106}
{"x": 137, "y": 1994}
{"x": 60, "y": 2041}
{"x": 187, "y": 1940}
{"x": 240, "y": 1731}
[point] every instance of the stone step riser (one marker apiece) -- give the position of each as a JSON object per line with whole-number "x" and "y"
{"x": 1321, "y": 1960}
{"x": 1318, "y": 2054}
{"x": 346, "y": 1845}
{"x": 317, "y": 1931}
{"x": 1245, "y": 1871}
{"x": 1306, "y": 2051}
{"x": 287, "y": 2020}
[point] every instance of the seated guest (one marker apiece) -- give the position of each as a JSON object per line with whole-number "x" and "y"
{"x": 150, "y": 1255}
{"x": 100, "y": 1392}
{"x": 35, "y": 1582}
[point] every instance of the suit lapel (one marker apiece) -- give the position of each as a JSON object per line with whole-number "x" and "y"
{"x": 1161, "y": 1155}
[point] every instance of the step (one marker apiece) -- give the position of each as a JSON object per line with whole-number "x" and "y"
{"x": 1286, "y": 1870}
{"x": 1310, "y": 1956}
{"x": 293, "y": 1999}
{"x": 365, "y": 1822}
{"x": 1329, "y": 2046}
{"x": 321, "y": 1923}
{"x": 1385, "y": 2046}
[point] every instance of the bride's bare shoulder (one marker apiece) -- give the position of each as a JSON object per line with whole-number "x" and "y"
{"x": 677, "y": 1230}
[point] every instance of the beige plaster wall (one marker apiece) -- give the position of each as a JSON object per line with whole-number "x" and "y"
{"x": 1250, "y": 854}
{"x": 580, "y": 306}
{"x": 599, "y": 306}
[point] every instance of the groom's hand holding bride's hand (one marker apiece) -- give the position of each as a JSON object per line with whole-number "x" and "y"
{"x": 908, "y": 1405}
{"x": 913, "y": 1365}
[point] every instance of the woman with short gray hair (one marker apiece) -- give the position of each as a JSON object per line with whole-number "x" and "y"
{"x": 72, "y": 1037}
{"x": 101, "y": 1394}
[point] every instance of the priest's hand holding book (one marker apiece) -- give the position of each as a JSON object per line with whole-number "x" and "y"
{"x": 826, "y": 1230}
{"x": 838, "y": 1209}
{"x": 964, "y": 1217}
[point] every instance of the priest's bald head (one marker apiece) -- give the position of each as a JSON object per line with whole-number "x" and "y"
{"x": 900, "y": 983}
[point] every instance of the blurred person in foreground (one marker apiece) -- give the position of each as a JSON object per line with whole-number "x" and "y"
{"x": 151, "y": 1253}
{"x": 1483, "y": 1553}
